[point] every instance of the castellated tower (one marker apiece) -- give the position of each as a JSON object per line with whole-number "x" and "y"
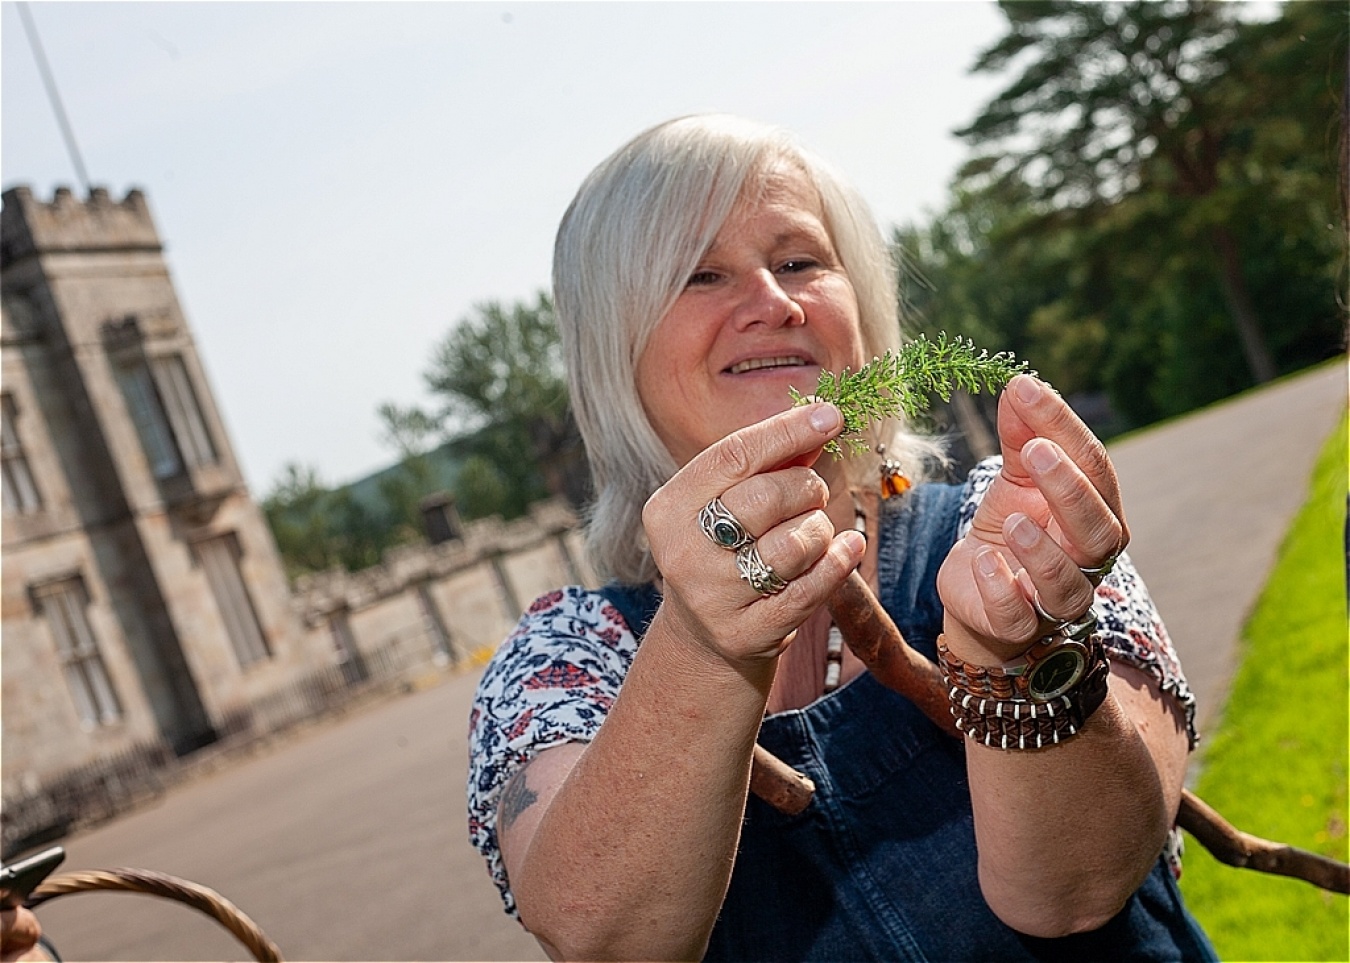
{"x": 144, "y": 601}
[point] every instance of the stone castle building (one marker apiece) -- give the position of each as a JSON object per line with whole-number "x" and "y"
{"x": 143, "y": 596}
{"x": 144, "y": 603}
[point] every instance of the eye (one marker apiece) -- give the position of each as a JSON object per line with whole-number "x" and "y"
{"x": 797, "y": 265}
{"x": 700, "y": 278}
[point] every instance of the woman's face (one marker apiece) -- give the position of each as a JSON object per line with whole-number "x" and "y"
{"x": 767, "y": 308}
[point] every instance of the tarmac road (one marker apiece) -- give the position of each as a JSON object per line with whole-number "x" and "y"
{"x": 348, "y": 841}
{"x": 1208, "y": 499}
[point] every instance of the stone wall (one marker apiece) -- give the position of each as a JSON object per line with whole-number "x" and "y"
{"x": 447, "y": 603}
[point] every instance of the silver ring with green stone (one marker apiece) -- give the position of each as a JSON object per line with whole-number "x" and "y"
{"x": 722, "y": 527}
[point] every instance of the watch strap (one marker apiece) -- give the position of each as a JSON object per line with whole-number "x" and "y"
{"x": 1022, "y": 724}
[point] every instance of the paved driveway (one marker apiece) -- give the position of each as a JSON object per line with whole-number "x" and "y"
{"x": 346, "y": 843}
{"x": 1208, "y": 498}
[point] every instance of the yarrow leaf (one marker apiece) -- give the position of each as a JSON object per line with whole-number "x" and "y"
{"x": 901, "y": 383}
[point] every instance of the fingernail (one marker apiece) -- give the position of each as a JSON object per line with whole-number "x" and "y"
{"x": 1028, "y": 389}
{"x": 825, "y": 418}
{"x": 1041, "y": 455}
{"x": 1022, "y": 532}
{"x": 854, "y": 540}
{"x": 987, "y": 563}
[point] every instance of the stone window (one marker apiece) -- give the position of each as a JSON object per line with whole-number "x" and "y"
{"x": 151, "y": 423}
{"x": 64, "y": 604}
{"x": 219, "y": 558}
{"x": 185, "y": 414}
{"x": 20, "y": 491}
{"x": 168, "y": 417}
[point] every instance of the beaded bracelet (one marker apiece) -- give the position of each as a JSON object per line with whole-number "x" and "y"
{"x": 1013, "y": 723}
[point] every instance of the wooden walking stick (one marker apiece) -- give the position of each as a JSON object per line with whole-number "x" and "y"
{"x": 874, "y": 638}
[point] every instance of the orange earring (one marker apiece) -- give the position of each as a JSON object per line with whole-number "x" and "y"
{"x": 894, "y": 481}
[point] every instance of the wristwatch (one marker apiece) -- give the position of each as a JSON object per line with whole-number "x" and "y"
{"x": 1021, "y": 725}
{"x": 1047, "y": 670}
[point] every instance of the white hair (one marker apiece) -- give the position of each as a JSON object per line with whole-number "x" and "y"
{"x": 626, "y": 246}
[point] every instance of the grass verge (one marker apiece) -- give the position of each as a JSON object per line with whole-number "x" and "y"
{"x": 1276, "y": 767}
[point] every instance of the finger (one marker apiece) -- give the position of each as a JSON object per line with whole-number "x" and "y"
{"x": 810, "y": 569}
{"x": 19, "y": 931}
{"x": 843, "y": 554}
{"x": 1029, "y": 408}
{"x": 1064, "y": 591}
{"x": 1089, "y": 529}
{"x": 763, "y": 501}
{"x": 1009, "y": 617}
{"x": 795, "y": 545}
{"x": 784, "y": 439}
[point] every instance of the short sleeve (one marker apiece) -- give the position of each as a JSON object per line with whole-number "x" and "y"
{"x": 1131, "y": 628}
{"x": 552, "y": 681}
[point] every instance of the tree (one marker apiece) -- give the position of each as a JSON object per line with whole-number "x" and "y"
{"x": 501, "y": 389}
{"x": 317, "y": 528}
{"x": 1141, "y": 101}
{"x": 973, "y": 270}
{"x": 1182, "y": 163}
{"x": 409, "y": 432}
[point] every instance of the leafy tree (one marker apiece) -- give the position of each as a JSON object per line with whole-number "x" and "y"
{"x": 498, "y": 378}
{"x": 973, "y": 270}
{"x": 501, "y": 389}
{"x": 317, "y": 528}
{"x": 1152, "y": 126}
{"x": 481, "y": 488}
{"x": 409, "y": 432}
{"x": 1155, "y": 177}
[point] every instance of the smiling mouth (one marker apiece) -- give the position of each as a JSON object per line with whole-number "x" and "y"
{"x": 757, "y": 364}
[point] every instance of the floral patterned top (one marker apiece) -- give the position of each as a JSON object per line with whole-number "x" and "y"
{"x": 554, "y": 679}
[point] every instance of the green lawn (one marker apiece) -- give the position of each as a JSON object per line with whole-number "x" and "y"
{"x": 1277, "y": 766}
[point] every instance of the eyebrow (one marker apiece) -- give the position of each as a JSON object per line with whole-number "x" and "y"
{"x": 788, "y": 236}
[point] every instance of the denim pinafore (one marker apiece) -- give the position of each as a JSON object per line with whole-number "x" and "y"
{"x": 882, "y": 864}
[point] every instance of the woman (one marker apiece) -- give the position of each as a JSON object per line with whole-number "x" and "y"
{"x": 702, "y": 271}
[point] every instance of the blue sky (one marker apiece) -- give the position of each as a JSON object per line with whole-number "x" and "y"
{"x": 338, "y": 183}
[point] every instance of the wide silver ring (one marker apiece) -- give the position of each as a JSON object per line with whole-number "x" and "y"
{"x": 1081, "y": 628}
{"x": 761, "y": 577}
{"x": 1074, "y": 628}
{"x": 1077, "y": 630}
{"x": 1096, "y": 573}
{"x": 723, "y": 528}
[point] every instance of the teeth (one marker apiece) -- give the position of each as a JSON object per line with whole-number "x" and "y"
{"x": 757, "y": 363}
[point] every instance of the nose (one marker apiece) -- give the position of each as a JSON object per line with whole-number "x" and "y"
{"x": 764, "y": 301}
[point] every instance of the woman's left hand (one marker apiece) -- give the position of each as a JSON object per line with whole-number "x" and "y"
{"x": 1053, "y": 510}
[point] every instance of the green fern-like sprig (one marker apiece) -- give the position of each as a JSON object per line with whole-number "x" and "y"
{"x": 901, "y": 383}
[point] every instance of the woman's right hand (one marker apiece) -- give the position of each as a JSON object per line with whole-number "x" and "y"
{"x": 764, "y": 476}
{"x": 664, "y": 779}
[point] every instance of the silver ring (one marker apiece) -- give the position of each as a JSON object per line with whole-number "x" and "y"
{"x": 1045, "y": 616}
{"x": 1078, "y": 629}
{"x": 761, "y": 577}
{"x": 723, "y": 528}
{"x": 1081, "y": 628}
{"x": 1095, "y": 574}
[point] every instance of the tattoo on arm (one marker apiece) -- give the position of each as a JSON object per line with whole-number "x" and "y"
{"x": 516, "y": 798}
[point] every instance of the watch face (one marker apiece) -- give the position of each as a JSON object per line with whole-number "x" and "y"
{"x": 1056, "y": 672}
